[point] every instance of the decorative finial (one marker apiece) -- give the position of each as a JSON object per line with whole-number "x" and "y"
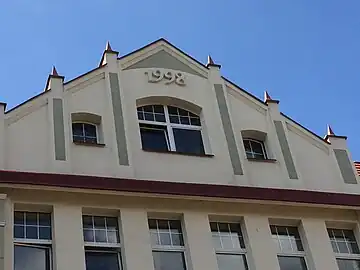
{"x": 108, "y": 47}
{"x": 330, "y": 132}
{"x": 54, "y": 72}
{"x": 267, "y": 96}
{"x": 210, "y": 62}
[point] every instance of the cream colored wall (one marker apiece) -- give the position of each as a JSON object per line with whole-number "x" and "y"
{"x": 67, "y": 209}
{"x": 28, "y": 137}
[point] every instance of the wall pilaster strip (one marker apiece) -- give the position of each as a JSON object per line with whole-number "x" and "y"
{"x": 345, "y": 166}
{"x": 227, "y": 126}
{"x": 285, "y": 149}
{"x": 59, "y": 131}
{"x": 118, "y": 120}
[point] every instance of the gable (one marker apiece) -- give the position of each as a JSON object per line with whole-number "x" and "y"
{"x": 163, "y": 59}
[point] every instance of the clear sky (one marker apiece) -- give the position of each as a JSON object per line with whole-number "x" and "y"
{"x": 306, "y": 53}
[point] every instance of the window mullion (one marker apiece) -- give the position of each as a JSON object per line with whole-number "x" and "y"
{"x": 169, "y": 130}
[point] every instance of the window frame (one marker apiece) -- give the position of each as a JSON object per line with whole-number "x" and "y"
{"x": 170, "y": 126}
{"x": 34, "y": 243}
{"x": 345, "y": 256}
{"x": 263, "y": 148}
{"x": 234, "y": 251}
{"x": 297, "y": 254}
{"x": 103, "y": 247}
{"x": 169, "y": 248}
{"x": 83, "y": 129}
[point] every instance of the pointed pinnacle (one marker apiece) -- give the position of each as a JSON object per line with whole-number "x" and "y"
{"x": 330, "y": 131}
{"x": 210, "y": 61}
{"x": 54, "y": 72}
{"x": 267, "y": 96}
{"x": 108, "y": 47}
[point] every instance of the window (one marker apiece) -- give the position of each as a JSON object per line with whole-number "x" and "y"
{"x": 168, "y": 128}
{"x": 229, "y": 246}
{"x": 254, "y": 149}
{"x": 32, "y": 241}
{"x": 346, "y": 249}
{"x": 167, "y": 244}
{"x": 291, "y": 253}
{"x": 102, "y": 243}
{"x": 84, "y": 133}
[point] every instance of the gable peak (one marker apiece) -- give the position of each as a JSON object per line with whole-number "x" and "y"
{"x": 330, "y": 132}
{"x": 211, "y": 63}
{"x": 54, "y": 72}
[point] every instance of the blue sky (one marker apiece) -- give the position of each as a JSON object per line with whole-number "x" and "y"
{"x": 306, "y": 53}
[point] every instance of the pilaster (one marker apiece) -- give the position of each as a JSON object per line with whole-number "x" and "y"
{"x": 59, "y": 124}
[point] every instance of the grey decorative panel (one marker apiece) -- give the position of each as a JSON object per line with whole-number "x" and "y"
{"x": 118, "y": 120}
{"x": 345, "y": 166}
{"x": 285, "y": 149}
{"x": 228, "y": 130}
{"x": 59, "y": 132}
{"x": 163, "y": 59}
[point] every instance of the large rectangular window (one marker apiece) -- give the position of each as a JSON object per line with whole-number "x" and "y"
{"x": 102, "y": 243}
{"x": 291, "y": 253}
{"x": 32, "y": 241}
{"x": 229, "y": 246}
{"x": 167, "y": 244}
{"x": 345, "y": 247}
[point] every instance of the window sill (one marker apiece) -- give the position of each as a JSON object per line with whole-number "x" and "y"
{"x": 269, "y": 160}
{"x": 179, "y": 153}
{"x": 89, "y": 144}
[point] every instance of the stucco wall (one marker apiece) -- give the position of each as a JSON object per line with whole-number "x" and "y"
{"x": 29, "y": 137}
{"x": 68, "y": 247}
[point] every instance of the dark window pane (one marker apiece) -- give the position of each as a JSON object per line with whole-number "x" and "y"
{"x": 19, "y": 231}
{"x": 87, "y": 222}
{"x": 183, "y": 112}
{"x": 88, "y": 235}
{"x": 163, "y": 225}
{"x": 349, "y": 234}
{"x": 31, "y": 218}
{"x": 90, "y": 130}
{"x": 195, "y": 121}
{"x": 140, "y": 116}
{"x": 148, "y": 108}
{"x": 45, "y": 233}
{"x": 342, "y": 247}
{"x": 160, "y": 117}
{"x": 257, "y": 147}
{"x": 169, "y": 260}
{"x": 159, "y": 109}
{"x": 31, "y": 232}
{"x": 174, "y": 119}
{"x": 173, "y": 110}
{"x": 235, "y": 227}
{"x": 282, "y": 230}
{"x": 154, "y": 138}
{"x": 78, "y": 138}
{"x": 99, "y": 222}
{"x": 188, "y": 141}
{"x": 102, "y": 261}
{"x": 348, "y": 264}
{"x": 149, "y": 116}
{"x": 213, "y": 226}
{"x": 113, "y": 237}
{"x": 293, "y": 231}
{"x": 100, "y": 236}
{"x": 273, "y": 230}
{"x": 77, "y": 129}
{"x": 247, "y": 146}
{"x": 152, "y": 224}
{"x": 30, "y": 258}
{"x": 231, "y": 262}
{"x": 177, "y": 239}
{"x": 165, "y": 239}
{"x": 175, "y": 226}
{"x": 338, "y": 234}
{"x": 223, "y": 227}
{"x": 354, "y": 249}
{"x": 184, "y": 120}
{"x": 44, "y": 219}
{"x": 19, "y": 218}
{"x": 111, "y": 223}
{"x": 292, "y": 263}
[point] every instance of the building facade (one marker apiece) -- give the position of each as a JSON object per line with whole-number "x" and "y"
{"x": 154, "y": 161}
